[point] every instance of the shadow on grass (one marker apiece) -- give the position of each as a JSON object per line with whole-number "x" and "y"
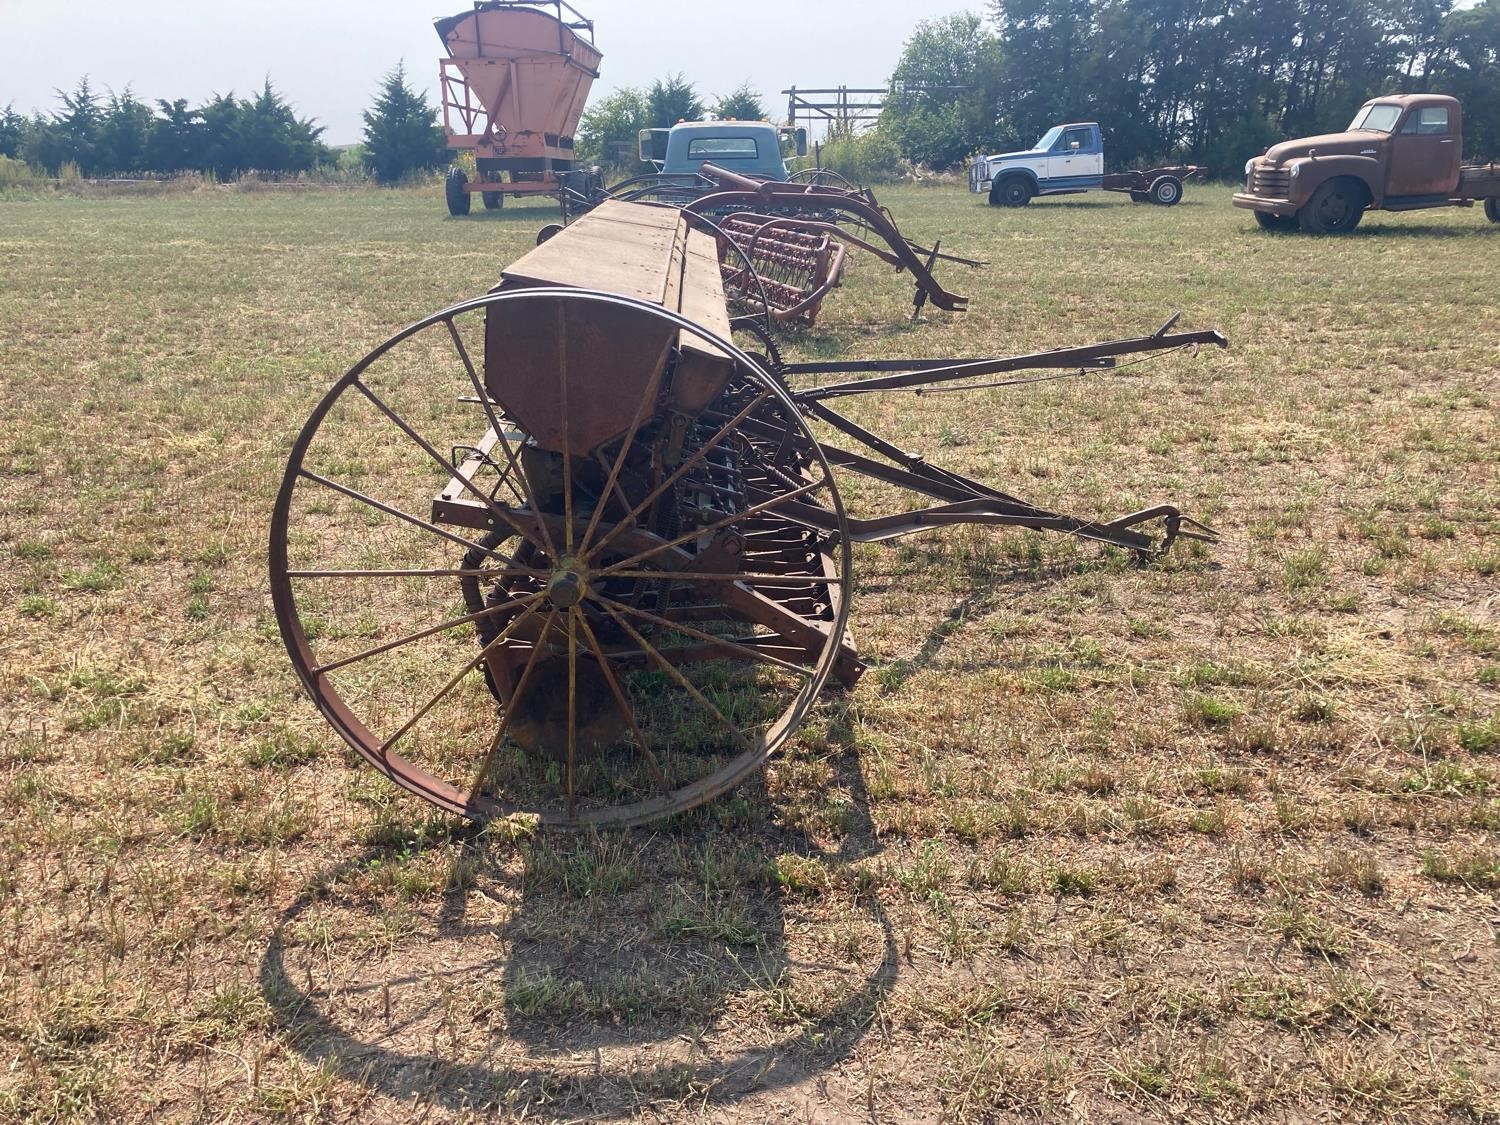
{"x": 592, "y": 975}
{"x": 1385, "y": 228}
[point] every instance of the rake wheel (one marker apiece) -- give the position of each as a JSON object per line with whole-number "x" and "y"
{"x": 595, "y": 639}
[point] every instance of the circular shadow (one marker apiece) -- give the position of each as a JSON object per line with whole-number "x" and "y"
{"x": 512, "y": 989}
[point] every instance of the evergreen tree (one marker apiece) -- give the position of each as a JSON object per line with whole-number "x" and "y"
{"x": 74, "y": 136}
{"x": 402, "y": 134}
{"x": 125, "y": 135}
{"x": 742, "y": 104}
{"x": 177, "y": 138}
{"x": 12, "y": 131}
{"x": 671, "y": 100}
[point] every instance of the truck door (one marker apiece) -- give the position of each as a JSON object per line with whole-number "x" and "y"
{"x": 1424, "y": 154}
{"x": 1075, "y": 154}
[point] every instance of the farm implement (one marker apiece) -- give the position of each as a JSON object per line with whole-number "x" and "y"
{"x": 567, "y": 551}
{"x": 784, "y": 243}
{"x": 513, "y": 84}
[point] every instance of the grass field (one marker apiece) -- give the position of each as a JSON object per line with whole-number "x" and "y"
{"x": 1211, "y": 839}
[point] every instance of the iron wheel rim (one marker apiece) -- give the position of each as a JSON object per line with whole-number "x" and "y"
{"x": 418, "y": 778}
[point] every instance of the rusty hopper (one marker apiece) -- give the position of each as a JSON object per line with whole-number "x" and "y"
{"x": 514, "y": 85}
{"x": 566, "y": 551}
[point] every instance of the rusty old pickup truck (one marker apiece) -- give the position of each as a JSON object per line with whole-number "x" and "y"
{"x": 1400, "y": 153}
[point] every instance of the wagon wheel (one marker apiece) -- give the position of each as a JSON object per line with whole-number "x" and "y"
{"x": 821, "y": 177}
{"x": 644, "y": 640}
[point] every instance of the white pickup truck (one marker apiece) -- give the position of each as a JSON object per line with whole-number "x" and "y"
{"x": 1068, "y": 160}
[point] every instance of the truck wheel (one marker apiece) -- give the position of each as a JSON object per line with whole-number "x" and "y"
{"x": 1267, "y": 221}
{"x": 456, "y": 189}
{"x": 1166, "y": 191}
{"x": 1492, "y": 209}
{"x": 1140, "y": 197}
{"x": 1335, "y": 208}
{"x": 1013, "y": 191}
{"x": 493, "y": 200}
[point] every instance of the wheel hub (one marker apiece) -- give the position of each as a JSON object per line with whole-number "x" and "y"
{"x": 568, "y": 585}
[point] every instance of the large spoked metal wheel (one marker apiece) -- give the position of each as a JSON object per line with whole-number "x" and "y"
{"x": 508, "y": 606}
{"x": 821, "y": 177}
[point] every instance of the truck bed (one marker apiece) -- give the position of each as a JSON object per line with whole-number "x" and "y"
{"x": 1478, "y": 181}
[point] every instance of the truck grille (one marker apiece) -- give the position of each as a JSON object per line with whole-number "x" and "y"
{"x": 1274, "y": 183}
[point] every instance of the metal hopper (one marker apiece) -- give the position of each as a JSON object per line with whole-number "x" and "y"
{"x": 514, "y": 84}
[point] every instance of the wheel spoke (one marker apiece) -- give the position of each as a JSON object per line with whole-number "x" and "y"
{"x": 458, "y": 676}
{"x": 510, "y": 707}
{"x": 405, "y": 427}
{"x": 513, "y": 462}
{"x": 453, "y": 623}
{"x": 620, "y": 701}
{"x": 676, "y": 673}
{"x": 619, "y": 462}
{"x": 572, "y": 703}
{"x": 701, "y": 576}
{"x": 682, "y": 627}
{"x": 754, "y": 510}
{"x": 681, "y": 470}
{"x": 415, "y": 521}
{"x": 567, "y": 475}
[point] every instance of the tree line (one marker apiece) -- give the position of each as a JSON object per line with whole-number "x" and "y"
{"x": 1208, "y": 81}
{"x": 1211, "y": 81}
{"x": 117, "y": 134}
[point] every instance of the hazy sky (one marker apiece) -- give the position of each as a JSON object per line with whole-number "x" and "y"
{"x": 327, "y": 58}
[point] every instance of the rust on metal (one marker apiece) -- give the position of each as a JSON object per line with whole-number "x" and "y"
{"x": 653, "y": 556}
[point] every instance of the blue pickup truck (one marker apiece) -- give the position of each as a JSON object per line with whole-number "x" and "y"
{"x": 751, "y": 148}
{"x": 1067, "y": 160}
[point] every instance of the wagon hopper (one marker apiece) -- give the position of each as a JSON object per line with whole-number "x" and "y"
{"x": 514, "y": 84}
{"x": 566, "y": 551}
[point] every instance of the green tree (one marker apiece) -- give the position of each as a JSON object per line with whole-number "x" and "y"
{"x": 742, "y": 104}
{"x": 74, "y": 135}
{"x": 610, "y": 126}
{"x": 219, "y": 146}
{"x": 402, "y": 134}
{"x": 671, "y": 100}
{"x": 274, "y": 139}
{"x": 125, "y": 135}
{"x": 944, "y": 91}
{"x": 12, "y": 131}
{"x": 177, "y": 139}
{"x": 1468, "y": 66}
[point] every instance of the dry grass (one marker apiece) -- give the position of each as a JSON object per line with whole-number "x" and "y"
{"x": 1216, "y": 838}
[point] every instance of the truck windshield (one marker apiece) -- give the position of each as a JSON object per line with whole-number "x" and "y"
{"x": 1376, "y": 118}
{"x": 1049, "y": 138}
{"x": 738, "y": 148}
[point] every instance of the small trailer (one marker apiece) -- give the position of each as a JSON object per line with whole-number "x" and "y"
{"x": 1069, "y": 160}
{"x": 514, "y": 85}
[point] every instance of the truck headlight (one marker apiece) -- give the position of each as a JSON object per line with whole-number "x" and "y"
{"x": 1295, "y": 169}
{"x": 1249, "y": 164}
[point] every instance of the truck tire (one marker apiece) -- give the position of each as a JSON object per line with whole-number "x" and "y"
{"x": 1492, "y": 209}
{"x": 1166, "y": 191}
{"x": 1267, "y": 221}
{"x": 1140, "y": 197}
{"x": 493, "y": 200}
{"x": 455, "y": 188}
{"x": 1012, "y": 191}
{"x": 1335, "y": 208}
